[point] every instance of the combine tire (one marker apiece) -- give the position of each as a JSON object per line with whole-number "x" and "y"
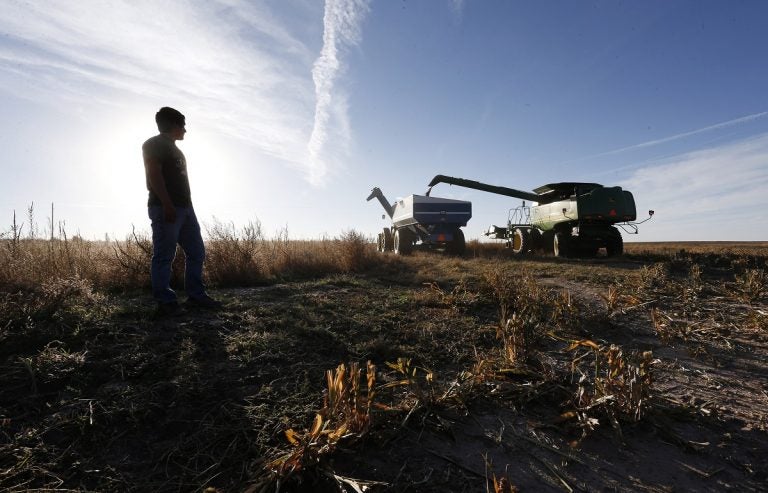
{"x": 560, "y": 246}
{"x": 589, "y": 251}
{"x": 615, "y": 247}
{"x": 521, "y": 241}
{"x": 403, "y": 244}
{"x": 536, "y": 239}
{"x": 458, "y": 245}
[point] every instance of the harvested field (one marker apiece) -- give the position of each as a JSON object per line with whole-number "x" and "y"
{"x": 646, "y": 372}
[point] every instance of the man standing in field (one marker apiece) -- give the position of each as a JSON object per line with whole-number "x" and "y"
{"x": 172, "y": 215}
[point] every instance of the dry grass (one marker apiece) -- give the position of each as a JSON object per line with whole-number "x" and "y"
{"x": 99, "y": 395}
{"x": 234, "y": 257}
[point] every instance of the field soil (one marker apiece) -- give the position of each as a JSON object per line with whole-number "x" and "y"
{"x": 98, "y": 393}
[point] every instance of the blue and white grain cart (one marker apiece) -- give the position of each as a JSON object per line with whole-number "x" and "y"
{"x": 423, "y": 221}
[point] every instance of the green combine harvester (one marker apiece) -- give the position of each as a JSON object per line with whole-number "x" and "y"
{"x": 570, "y": 219}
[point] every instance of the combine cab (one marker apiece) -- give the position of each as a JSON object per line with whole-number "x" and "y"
{"x": 421, "y": 221}
{"x": 570, "y": 219}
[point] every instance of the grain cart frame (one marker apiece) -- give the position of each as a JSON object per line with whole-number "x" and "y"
{"x": 570, "y": 218}
{"x": 419, "y": 221}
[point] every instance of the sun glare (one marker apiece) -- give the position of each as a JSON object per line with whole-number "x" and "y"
{"x": 116, "y": 172}
{"x": 115, "y": 176}
{"x": 207, "y": 163}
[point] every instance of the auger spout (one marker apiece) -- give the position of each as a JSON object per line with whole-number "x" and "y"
{"x": 376, "y": 192}
{"x": 510, "y": 192}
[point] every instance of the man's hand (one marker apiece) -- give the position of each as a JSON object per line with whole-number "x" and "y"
{"x": 169, "y": 213}
{"x": 157, "y": 183}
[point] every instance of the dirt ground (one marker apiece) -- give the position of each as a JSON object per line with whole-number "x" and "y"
{"x": 101, "y": 395}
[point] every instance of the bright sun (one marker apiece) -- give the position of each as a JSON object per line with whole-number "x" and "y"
{"x": 117, "y": 168}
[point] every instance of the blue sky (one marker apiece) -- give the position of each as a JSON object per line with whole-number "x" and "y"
{"x": 297, "y": 108}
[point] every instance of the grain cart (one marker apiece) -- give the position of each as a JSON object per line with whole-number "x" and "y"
{"x": 570, "y": 218}
{"x": 431, "y": 222}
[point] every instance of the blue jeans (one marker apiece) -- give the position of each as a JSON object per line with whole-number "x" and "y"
{"x": 186, "y": 232}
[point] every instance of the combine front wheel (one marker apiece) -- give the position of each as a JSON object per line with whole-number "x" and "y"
{"x": 521, "y": 241}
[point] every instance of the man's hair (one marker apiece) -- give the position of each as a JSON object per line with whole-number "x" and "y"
{"x": 167, "y": 117}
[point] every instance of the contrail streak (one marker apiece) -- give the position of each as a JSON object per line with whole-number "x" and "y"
{"x": 683, "y": 135}
{"x": 341, "y": 24}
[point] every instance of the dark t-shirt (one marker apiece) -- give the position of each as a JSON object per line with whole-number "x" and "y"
{"x": 174, "y": 169}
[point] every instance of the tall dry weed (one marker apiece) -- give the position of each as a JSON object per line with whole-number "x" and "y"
{"x": 346, "y": 414}
{"x": 30, "y": 263}
{"x": 356, "y": 252}
{"x": 752, "y": 284}
{"x": 525, "y": 309}
{"x": 132, "y": 259}
{"x": 652, "y": 278}
{"x": 615, "y": 386}
{"x": 234, "y": 257}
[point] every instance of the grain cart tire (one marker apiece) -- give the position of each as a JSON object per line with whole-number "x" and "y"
{"x": 388, "y": 241}
{"x": 458, "y": 245}
{"x": 403, "y": 244}
{"x": 521, "y": 241}
{"x": 560, "y": 246}
{"x": 380, "y": 243}
{"x": 614, "y": 247}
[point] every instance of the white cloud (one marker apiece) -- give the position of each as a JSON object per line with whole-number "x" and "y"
{"x": 712, "y": 193}
{"x": 342, "y": 22}
{"x": 233, "y": 62}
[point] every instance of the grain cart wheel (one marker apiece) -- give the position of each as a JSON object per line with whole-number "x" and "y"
{"x": 458, "y": 245}
{"x": 521, "y": 241}
{"x": 560, "y": 245}
{"x": 615, "y": 246}
{"x": 403, "y": 244}
{"x": 388, "y": 242}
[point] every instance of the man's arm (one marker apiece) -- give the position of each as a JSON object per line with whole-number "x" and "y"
{"x": 157, "y": 183}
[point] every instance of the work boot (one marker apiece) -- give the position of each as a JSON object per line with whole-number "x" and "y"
{"x": 205, "y": 302}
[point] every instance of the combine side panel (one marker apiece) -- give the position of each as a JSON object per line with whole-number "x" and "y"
{"x": 547, "y": 216}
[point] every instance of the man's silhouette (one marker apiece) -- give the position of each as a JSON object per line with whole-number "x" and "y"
{"x": 172, "y": 215}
